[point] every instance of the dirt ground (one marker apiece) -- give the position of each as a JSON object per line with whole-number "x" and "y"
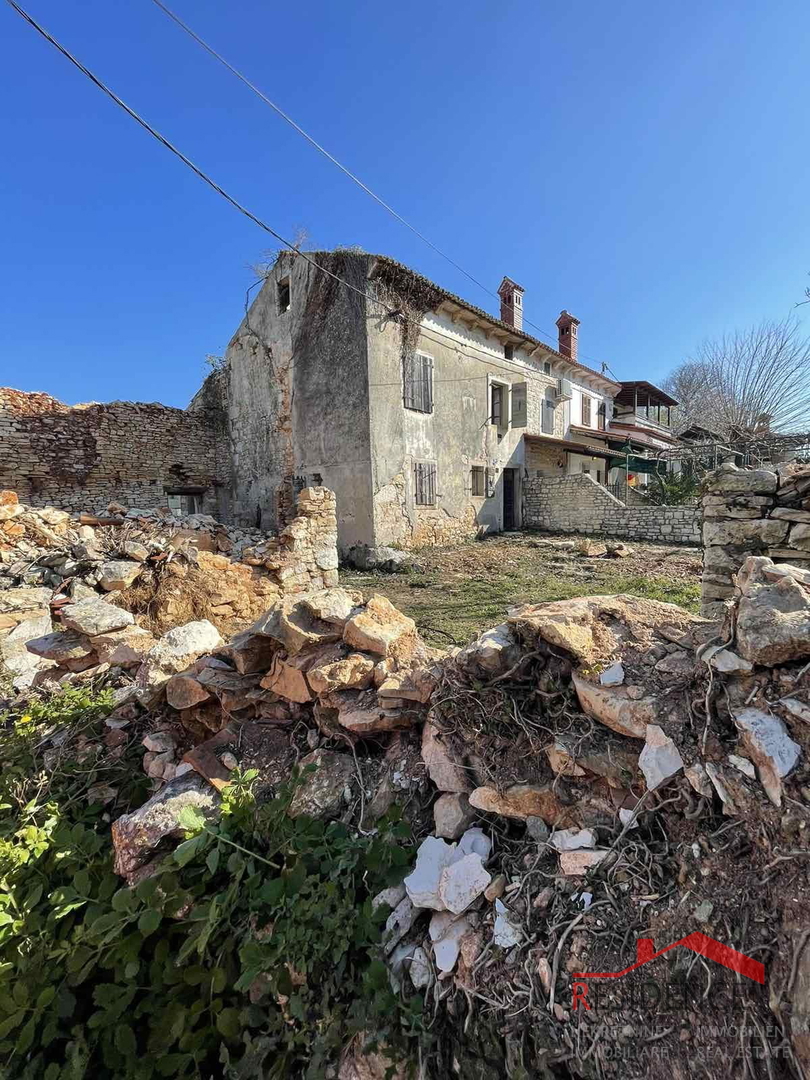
{"x": 460, "y": 591}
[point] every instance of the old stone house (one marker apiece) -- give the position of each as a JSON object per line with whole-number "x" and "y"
{"x": 427, "y": 416}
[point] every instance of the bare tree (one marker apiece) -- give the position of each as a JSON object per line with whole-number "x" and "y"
{"x": 747, "y": 382}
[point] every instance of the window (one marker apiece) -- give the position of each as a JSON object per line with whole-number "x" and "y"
{"x": 547, "y": 419}
{"x": 509, "y": 352}
{"x": 424, "y": 483}
{"x": 479, "y": 481}
{"x": 417, "y": 382}
{"x": 601, "y": 416}
{"x": 586, "y": 411}
{"x": 546, "y": 367}
{"x": 184, "y": 502}
{"x": 517, "y": 299}
{"x": 283, "y": 295}
{"x": 496, "y": 406}
{"x": 519, "y": 417}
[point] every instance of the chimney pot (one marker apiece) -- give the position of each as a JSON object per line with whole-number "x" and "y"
{"x": 567, "y": 339}
{"x": 511, "y": 295}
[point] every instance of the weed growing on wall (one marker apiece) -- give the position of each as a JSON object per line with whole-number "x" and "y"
{"x": 252, "y": 951}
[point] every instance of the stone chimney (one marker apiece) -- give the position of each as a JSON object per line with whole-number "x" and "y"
{"x": 567, "y": 326}
{"x": 511, "y": 295}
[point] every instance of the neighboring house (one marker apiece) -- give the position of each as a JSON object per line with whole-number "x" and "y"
{"x": 424, "y": 422}
{"x": 641, "y": 431}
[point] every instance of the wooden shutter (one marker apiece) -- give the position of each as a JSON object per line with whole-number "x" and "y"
{"x": 408, "y": 381}
{"x": 586, "y": 411}
{"x": 424, "y": 483}
{"x": 417, "y": 382}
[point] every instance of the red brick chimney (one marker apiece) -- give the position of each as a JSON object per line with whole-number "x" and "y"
{"x": 511, "y": 295}
{"x": 567, "y": 325}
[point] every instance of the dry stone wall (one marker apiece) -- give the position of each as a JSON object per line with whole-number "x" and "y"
{"x": 751, "y": 512}
{"x": 578, "y": 504}
{"x": 81, "y": 457}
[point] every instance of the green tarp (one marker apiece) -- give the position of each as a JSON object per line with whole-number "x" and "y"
{"x": 638, "y": 464}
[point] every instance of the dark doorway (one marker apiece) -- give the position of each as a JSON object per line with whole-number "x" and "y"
{"x": 509, "y": 517}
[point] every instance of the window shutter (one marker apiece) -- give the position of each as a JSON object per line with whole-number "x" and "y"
{"x": 407, "y": 381}
{"x": 417, "y": 382}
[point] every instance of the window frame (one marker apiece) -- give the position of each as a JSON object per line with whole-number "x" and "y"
{"x": 425, "y": 474}
{"x": 478, "y": 472}
{"x": 601, "y": 415}
{"x": 518, "y": 394}
{"x": 283, "y": 289}
{"x": 503, "y": 387}
{"x": 586, "y": 403}
{"x": 417, "y": 386}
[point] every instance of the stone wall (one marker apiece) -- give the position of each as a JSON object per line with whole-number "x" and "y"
{"x": 577, "y": 504}
{"x": 751, "y": 512}
{"x": 81, "y": 457}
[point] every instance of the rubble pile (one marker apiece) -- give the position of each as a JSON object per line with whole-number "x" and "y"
{"x": 163, "y": 568}
{"x": 588, "y": 778}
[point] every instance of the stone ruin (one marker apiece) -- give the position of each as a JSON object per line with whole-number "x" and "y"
{"x": 591, "y": 774}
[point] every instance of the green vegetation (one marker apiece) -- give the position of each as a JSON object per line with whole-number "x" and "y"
{"x": 253, "y": 951}
{"x": 453, "y": 609}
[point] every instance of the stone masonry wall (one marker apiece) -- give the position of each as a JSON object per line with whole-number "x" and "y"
{"x": 79, "y": 458}
{"x": 751, "y": 512}
{"x": 578, "y": 504}
{"x": 306, "y": 554}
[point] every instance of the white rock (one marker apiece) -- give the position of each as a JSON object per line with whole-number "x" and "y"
{"x": 797, "y": 708}
{"x": 572, "y": 839}
{"x": 447, "y": 932}
{"x": 626, "y": 816}
{"x": 398, "y": 924}
{"x": 728, "y": 662}
{"x": 119, "y": 574}
{"x": 612, "y": 676}
{"x": 771, "y": 748}
{"x": 452, "y": 814}
{"x": 390, "y": 897}
{"x": 743, "y": 765}
{"x": 506, "y": 933}
{"x": 422, "y": 884}
{"x": 474, "y": 841}
{"x": 95, "y": 616}
{"x": 659, "y": 760}
{"x": 699, "y": 780}
{"x": 420, "y": 970}
{"x": 462, "y": 883}
{"x": 716, "y": 778}
{"x": 160, "y": 742}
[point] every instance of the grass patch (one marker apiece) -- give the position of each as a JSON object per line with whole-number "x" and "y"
{"x": 456, "y": 609}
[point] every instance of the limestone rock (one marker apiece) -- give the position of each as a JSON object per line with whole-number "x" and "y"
{"x": 249, "y": 652}
{"x": 381, "y": 629}
{"x": 733, "y": 481}
{"x": 494, "y": 652}
{"x": 522, "y": 801}
{"x": 445, "y": 772}
{"x": 334, "y": 606}
{"x": 659, "y": 760}
{"x": 352, "y": 672}
{"x": 420, "y": 970}
{"x": 417, "y": 685}
{"x": 321, "y": 792}
{"x": 773, "y": 622}
{"x": 462, "y": 882}
{"x": 699, "y": 780}
{"x": 361, "y": 714}
{"x": 137, "y": 836}
{"x": 506, "y": 932}
{"x": 24, "y": 599}
{"x": 592, "y": 549}
{"x": 184, "y": 692}
{"x": 287, "y": 680}
{"x": 762, "y": 533}
{"x": 770, "y": 747}
{"x": 447, "y": 933}
{"x": 22, "y": 665}
{"x": 452, "y": 814}
{"x": 474, "y": 841}
{"x": 119, "y": 574}
{"x": 422, "y": 884}
{"x": 399, "y": 923}
{"x": 133, "y": 550}
{"x": 562, "y": 761}
{"x": 726, "y": 661}
{"x": 677, "y": 663}
{"x": 613, "y": 675}
{"x": 293, "y": 625}
{"x": 96, "y": 616}
{"x": 614, "y": 707}
{"x": 577, "y": 863}
{"x": 572, "y": 839}
{"x": 125, "y": 648}
{"x": 61, "y": 646}
{"x": 175, "y": 651}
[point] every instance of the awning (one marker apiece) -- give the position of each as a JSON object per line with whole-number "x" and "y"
{"x": 569, "y": 447}
{"x": 638, "y": 464}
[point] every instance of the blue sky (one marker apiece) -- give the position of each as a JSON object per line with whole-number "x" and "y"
{"x": 644, "y": 165}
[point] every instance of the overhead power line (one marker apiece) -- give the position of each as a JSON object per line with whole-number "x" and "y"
{"x": 347, "y": 172}
{"x": 433, "y": 331}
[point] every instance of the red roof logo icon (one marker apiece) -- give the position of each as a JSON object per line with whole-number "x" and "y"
{"x": 698, "y": 943}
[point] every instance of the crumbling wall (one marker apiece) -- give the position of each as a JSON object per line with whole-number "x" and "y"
{"x": 578, "y": 504}
{"x": 81, "y": 457}
{"x": 751, "y": 512}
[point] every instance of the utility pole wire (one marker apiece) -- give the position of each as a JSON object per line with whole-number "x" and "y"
{"x": 347, "y": 172}
{"x": 430, "y": 331}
